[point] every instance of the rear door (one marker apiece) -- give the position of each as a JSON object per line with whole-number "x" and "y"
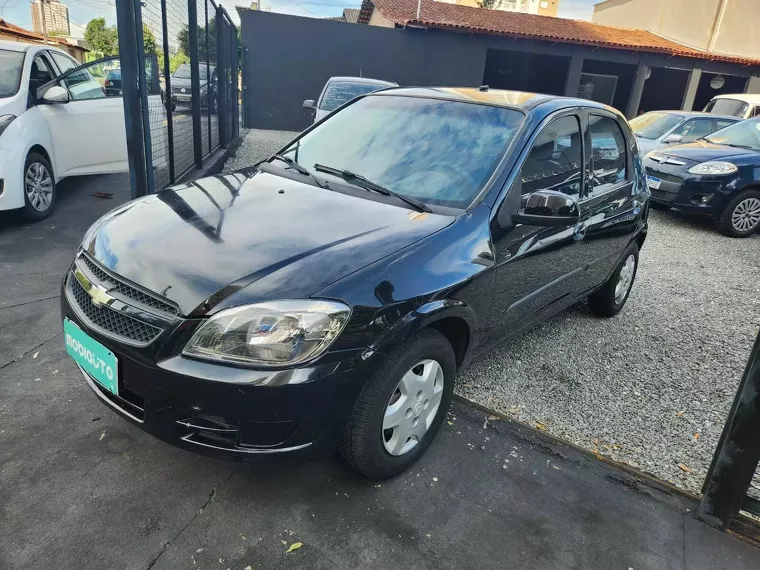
{"x": 87, "y": 132}
{"x": 608, "y": 206}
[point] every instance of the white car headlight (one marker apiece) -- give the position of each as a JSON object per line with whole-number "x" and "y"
{"x": 713, "y": 167}
{"x": 273, "y": 333}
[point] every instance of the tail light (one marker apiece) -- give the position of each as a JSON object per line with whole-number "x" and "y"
{"x": 108, "y": 82}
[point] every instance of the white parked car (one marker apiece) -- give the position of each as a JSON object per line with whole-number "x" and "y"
{"x": 742, "y": 105}
{"x": 55, "y": 121}
{"x": 657, "y": 129}
{"x": 339, "y": 90}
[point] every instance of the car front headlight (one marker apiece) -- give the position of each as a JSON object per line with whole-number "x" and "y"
{"x": 5, "y": 120}
{"x": 273, "y": 333}
{"x": 713, "y": 167}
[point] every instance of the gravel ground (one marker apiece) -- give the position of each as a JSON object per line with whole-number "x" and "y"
{"x": 651, "y": 387}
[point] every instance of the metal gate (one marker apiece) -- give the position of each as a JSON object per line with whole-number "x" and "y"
{"x": 190, "y": 47}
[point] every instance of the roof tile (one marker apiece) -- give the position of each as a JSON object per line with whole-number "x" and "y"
{"x": 516, "y": 24}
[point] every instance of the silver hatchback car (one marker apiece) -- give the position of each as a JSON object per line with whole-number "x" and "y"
{"x": 657, "y": 129}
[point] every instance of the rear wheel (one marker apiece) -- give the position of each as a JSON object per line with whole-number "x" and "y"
{"x": 741, "y": 216}
{"x": 610, "y": 299}
{"x": 39, "y": 187}
{"x": 401, "y": 407}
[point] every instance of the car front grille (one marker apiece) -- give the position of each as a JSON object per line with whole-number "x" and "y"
{"x": 118, "y": 286}
{"x": 107, "y": 319}
{"x": 661, "y": 196}
{"x": 665, "y": 177}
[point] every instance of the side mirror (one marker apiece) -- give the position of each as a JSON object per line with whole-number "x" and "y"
{"x": 56, "y": 94}
{"x": 548, "y": 208}
{"x": 672, "y": 139}
{"x": 309, "y": 104}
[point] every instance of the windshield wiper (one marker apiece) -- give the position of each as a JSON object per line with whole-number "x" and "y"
{"x": 298, "y": 168}
{"x": 359, "y": 180}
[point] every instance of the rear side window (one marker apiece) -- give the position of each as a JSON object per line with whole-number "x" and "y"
{"x": 608, "y": 154}
{"x": 554, "y": 161}
{"x": 339, "y": 92}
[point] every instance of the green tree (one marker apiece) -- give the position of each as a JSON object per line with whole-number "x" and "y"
{"x": 149, "y": 41}
{"x": 100, "y": 38}
{"x": 489, "y": 4}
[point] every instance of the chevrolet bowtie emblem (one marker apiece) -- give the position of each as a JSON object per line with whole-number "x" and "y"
{"x": 98, "y": 294}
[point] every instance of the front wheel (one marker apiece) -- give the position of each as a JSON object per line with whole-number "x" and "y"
{"x": 741, "y": 216}
{"x": 401, "y": 407}
{"x": 611, "y": 297}
{"x": 39, "y": 187}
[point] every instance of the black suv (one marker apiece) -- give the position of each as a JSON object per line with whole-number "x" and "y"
{"x": 329, "y": 295}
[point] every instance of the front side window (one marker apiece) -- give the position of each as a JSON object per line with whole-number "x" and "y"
{"x": 694, "y": 129}
{"x": 723, "y": 123}
{"x": 440, "y": 152}
{"x": 40, "y": 73}
{"x": 554, "y": 160}
{"x": 339, "y": 92}
{"x": 732, "y": 107}
{"x": 744, "y": 134}
{"x": 608, "y": 154}
{"x": 11, "y": 65}
{"x": 63, "y": 62}
{"x": 654, "y": 124}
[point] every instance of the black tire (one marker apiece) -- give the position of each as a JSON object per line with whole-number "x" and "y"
{"x": 362, "y": 444}
{"x": 29, "y": 211}
{"x": 602, "y": 302}
{"x": 725, "y": 225}
{"x": 658, "y": 206}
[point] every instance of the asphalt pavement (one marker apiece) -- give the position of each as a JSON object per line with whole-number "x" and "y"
{"x": 82, "y": 488}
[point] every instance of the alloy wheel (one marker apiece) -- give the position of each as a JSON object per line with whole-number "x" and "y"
{"x": 625, "y": 279}
{"x": 39, "y": 186}
{"x": 412, "y": 407}
{"x": 746, "y": 215}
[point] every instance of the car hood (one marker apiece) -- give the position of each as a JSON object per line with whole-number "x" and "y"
{"x": 243, "y": 238}
{"x": 702, "y": 151}
{"x": 647, "y": 145}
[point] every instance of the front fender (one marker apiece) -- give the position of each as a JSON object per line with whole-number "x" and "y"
{"x": 427, "y": 315}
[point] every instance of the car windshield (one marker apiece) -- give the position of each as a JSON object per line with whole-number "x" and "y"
{"x": 654, "y": 125}
{"x": 732, "y": 107}
{"x": 338, "y": 92}
{"x": 11, "y": 63}
{"x": 184, "y": 71}
{"x": 741, "y": 134}
{"x": 439, "y": 152}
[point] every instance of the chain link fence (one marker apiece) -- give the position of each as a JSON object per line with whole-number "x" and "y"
{"x": 190, "y": 48}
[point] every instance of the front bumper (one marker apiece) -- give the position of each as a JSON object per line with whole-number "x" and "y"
{"x": 684, "y": 191}
{"x": 11, "y": 176}
{"x": 227, "y": 412}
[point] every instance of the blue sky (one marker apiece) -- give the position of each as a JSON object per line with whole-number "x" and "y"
{"x": 82, "y": 11}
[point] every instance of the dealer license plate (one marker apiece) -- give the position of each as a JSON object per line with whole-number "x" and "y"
{"x": 93, "y": 357}
{"x": 653, "y": 182}
{"x": 184, "y": 97}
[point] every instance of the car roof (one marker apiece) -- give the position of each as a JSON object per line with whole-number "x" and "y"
{"x": 693, "y": 114}
{"x": 363, "y": 80}
{"x": 21, "y": 46}
{"x": 497, "y": 97}
{"x": 753, "y": 98}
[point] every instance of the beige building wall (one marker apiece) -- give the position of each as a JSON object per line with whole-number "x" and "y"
{"x": 540, "y": 7}
{"x": 690, "y": 22}
{"x": 56, "y": 17}
{"x": 377, "y": 19}
{"x": 548, "y": 7}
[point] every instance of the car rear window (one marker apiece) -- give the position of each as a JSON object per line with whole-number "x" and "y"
{"x": 732, "y": 107}
{"x": 338, "y": 92}
{"x": 11, "y": 64}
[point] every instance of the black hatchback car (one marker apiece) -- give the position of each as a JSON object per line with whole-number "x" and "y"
{"x": 717, "y": 176}
{"x": 329, "y": 295}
